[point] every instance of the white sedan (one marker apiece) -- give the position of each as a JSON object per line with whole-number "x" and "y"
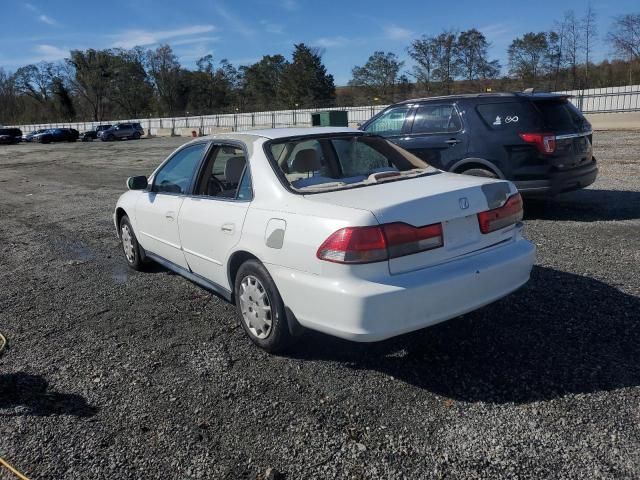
{"x": 330, "y": 229}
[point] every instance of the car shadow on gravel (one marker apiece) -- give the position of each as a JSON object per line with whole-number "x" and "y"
{"x": 560, "y": 334}
{"x": 26, "y": 394}
{"x": 588, "y": 205}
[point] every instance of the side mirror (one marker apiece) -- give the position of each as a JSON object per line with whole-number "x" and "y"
{"x": 137, "y": 183}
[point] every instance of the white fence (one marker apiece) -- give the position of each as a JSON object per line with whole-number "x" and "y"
{"x": 595, "y": 100}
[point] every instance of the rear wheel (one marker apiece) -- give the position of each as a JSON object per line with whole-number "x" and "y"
{"x": 261, "y": 310}
{"x": 136, "y": 136}
{"x": 480, "y": 172}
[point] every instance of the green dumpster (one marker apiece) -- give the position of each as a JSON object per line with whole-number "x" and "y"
{"x": 330, "y": 118}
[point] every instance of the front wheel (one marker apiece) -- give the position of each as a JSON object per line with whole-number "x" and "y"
{"x": 136, "y": 136}
{"x": 130, "y": 245}
{"x": 260, "y": 307}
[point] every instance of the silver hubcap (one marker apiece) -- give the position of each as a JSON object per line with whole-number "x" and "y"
{"x": 127, "y": 244}
{"x": 255, "y": 307}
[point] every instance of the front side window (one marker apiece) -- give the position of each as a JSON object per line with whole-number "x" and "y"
{"x": 436, "y": 119}
{"x": 341, "y": 161}
{"x": 175, "y": 176}
{"x": 389, "y": 122}
{"x": 224, "y": 174}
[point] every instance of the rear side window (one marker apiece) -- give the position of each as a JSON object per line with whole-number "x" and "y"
{"x": 436, "y": 119}
{"x": 560, "y": 115}
{"x": 509, "y": 116}
{"x": 389, "y": 122}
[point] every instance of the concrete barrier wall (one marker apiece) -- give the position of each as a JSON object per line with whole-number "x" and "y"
{"x": 614, "y": 121}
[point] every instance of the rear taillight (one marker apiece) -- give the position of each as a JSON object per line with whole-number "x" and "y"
{"x": 507, "y": 214}
{"x": 379, "y": 243}
{"x": 544, "y": 142}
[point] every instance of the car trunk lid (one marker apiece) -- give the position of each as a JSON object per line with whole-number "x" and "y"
{"x": 450, "y": 199}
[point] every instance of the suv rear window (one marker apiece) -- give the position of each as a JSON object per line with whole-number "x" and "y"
{"x": 510, "y": 116}
{"x": 560, "y": 115}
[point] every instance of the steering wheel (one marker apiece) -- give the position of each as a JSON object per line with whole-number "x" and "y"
{"x": 214, "y": 186}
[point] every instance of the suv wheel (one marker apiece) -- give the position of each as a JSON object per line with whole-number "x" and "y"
{"x": 111, "y": 137}
{"x": 136, "y": 136}
{"x": 480, "y": 172}
{"x": 260, "y": 307}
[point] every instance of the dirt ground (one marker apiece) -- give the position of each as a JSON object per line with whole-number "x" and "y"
{"x": 112, "y": 373}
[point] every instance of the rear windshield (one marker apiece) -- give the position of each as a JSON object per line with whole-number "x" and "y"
{"x": 509, "y": 116}
{"x": 561, "y": 115}
{"x": 314, "y": 164}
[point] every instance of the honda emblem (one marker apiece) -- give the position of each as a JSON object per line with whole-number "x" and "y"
{"x": 464, "y": 203}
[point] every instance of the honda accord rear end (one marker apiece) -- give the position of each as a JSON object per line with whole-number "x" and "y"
{"x": 427, "y": 246}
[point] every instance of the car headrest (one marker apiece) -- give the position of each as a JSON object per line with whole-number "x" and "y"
{"x": 306, "y": 160}
{"x": 233, "y": 169}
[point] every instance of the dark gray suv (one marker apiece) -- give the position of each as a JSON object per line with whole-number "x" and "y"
{"x": 540, "y": 142}
{"x": 121, "y": 130}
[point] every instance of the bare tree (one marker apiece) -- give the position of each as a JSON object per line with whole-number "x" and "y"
{"x": 445, "y": 59}
{"x": 473, "y": 56}
{"x": 624, "y": 36}
{"x": 422, "y": 52}
{"x": 35, "y": 81}
{"x": 526, "y": 56}
{"x": 379, "y": 75}
{"x": 589, "y": 33}
{"x": 572, "y": 42}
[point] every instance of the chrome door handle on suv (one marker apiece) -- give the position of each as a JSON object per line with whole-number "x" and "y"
{"x": 452, "y": 141}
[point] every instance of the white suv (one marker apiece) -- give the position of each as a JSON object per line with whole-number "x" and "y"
{"x": 330, "y": 229}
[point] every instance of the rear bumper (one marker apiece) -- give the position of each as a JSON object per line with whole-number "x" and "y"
{"x": 559, "y": 182}
{"x": 366, "y": 310}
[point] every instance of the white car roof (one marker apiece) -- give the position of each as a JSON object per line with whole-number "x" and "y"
{"x": 273, "y": 133}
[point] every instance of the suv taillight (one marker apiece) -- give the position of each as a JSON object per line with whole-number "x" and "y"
{"x": 544, "y": 142}
{"x": 507, "y": 214}
{"x": 376, "y": 244}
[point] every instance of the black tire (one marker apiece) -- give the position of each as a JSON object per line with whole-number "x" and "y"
{"x": 111, "y": 138}
{"x": 135, "y": 257}
{"x": 278, "y": 337}
{"x": 136, "y": 136}
{"x": 480, "y": 172}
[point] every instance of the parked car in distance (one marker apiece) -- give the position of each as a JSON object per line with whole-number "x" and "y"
{"x": 330, "y": 229}
{"x": 29, "y": 137}
{"x": 93, "y": 133}
{"x": 540, "y": 142}
{"x": 9, "y": 136}
{"x": 56, "y": 135}
{"x": 120, "y": 131}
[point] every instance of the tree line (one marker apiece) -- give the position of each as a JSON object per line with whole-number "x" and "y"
{"x": 139, "y": 83}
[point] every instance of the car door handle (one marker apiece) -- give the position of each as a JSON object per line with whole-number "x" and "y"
{"x": 227, "y": 228}
{"x": 452, "y": 141}
{"x": 171, "y": 216}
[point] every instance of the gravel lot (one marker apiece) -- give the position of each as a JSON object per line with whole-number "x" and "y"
{"x": 116, "y": 374}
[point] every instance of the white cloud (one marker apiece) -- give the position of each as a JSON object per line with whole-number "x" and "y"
{"x": 395, "y": 32}
{"x": 48, "y": 20}
{"x": 132, "y": 38}
{"x": 50, "y": 53}
{"x": 272, "y": 27}
{"x": 331, "y": 42}
{"x": 40, "y": 16}
{"x": 289, "y": 5}
{"x": 235, "y": 23}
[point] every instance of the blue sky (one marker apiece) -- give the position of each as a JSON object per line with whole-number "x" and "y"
{"x": 244, "y": 30}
